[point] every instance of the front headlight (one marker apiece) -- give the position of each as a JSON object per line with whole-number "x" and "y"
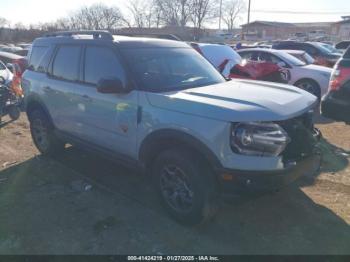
{"x": 258, "y": 139}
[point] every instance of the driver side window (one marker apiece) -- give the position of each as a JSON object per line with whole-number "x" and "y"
{"x": 102, "y": 62}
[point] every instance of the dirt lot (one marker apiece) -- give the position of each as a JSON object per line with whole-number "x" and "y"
{"x": 79, "y": 203}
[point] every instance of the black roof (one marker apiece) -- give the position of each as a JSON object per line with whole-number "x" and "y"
{"x": 103, "y": 36}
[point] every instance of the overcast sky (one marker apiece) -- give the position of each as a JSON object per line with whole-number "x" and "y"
{"x": 35, "y": 11}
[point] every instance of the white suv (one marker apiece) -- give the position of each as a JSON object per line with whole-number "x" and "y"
{"x": 161, "y": 106}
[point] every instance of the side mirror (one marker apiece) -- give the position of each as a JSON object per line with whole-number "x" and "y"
{"x": 111, "y": 86}
{"x": 10, "y": 67}
{"x": 2, "y": 80}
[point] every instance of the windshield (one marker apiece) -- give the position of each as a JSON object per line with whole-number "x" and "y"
{"x": 290, "y": 59}
{"x": 168, "y": 69}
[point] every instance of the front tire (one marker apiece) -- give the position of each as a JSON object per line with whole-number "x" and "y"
{"x": 309, "y": 86}
{"x": 43, "y": 134}
{"x": 186, "y": 187}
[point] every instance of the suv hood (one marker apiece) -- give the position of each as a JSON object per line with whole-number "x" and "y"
{"x": 238, "y": 101}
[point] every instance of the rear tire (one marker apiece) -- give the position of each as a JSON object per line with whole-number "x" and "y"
{"x": 187, "y": 188}
{"x": 43, "y": 134}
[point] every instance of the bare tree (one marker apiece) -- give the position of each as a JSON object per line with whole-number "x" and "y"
{"x": 174, "y": 12}
{"x": 232, "y": 9}
{"x": 96, "y": 17}
{"x": 141, "y": 12}
{"x": 4, "y": 22}
{"x": 63, "y": 24}
{"x": 202, "y": 10}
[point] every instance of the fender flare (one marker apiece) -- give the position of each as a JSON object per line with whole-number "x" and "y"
{"x": 34, "y": 102}
{"x": 154, "y": 141}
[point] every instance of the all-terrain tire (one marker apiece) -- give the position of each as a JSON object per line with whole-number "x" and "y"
{"x": 198, "y": 179}
{"x": 43, "y": 134}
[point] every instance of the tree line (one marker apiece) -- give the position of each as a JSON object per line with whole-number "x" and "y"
{"x": 143, "y": 14}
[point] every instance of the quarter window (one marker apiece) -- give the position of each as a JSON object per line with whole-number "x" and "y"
{"x": 66, "y": 63}
{"x": 37, "y": 55}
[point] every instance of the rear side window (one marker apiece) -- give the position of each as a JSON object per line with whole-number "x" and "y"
{"x": 37, "y": 55}
{"x": 102, "y": 62}
{"x": 66, "y": 63}
{"x": 347, "y": 54}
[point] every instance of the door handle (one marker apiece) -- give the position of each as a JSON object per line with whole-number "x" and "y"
{"x": 87, "y": 98}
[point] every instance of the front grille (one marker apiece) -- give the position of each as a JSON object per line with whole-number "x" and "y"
{"x": 303, "y": 137}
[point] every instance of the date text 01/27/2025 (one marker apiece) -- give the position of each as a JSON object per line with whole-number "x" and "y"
{"x": 173, "y": 258}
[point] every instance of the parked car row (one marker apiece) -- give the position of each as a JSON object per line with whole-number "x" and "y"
{"x": 318, "y": 51}
{"x": 19, "y": 49}
{"x": 268, "y": 65}
{"x": 231, "y": 65}
{"x": 311, "y": 78}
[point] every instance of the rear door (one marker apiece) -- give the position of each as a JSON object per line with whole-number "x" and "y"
{"x": 59, "y": 89}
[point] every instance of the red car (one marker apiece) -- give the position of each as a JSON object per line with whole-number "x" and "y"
{"x": 231, "y": 65}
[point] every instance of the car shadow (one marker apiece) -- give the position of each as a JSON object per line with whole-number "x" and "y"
{"x": 285, "y": 222}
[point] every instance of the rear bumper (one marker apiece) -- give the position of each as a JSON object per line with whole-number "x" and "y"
{"x": 335, "y": 108}
{"x": 234, "y": 181}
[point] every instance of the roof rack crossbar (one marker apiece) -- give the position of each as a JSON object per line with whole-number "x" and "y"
{"x": 97, "y": 34}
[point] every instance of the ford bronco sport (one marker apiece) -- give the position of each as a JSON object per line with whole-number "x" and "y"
{"x": 159, "y": 105}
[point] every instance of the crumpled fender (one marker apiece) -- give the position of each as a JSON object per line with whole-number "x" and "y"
{"x": 255, "y": 70}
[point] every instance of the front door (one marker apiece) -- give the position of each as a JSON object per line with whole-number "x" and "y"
{"x": 109, "y": 120}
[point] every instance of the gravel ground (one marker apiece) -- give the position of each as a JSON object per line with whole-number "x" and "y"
{"x": 79, "y": 203}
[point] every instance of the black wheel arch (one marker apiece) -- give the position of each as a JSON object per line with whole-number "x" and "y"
{"x": 164, "y": 139}
{"x": 34, "y": 103}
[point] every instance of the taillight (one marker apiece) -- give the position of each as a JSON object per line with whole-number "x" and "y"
{"x": 335, "y": 79}
{"x": 17, "y": 85}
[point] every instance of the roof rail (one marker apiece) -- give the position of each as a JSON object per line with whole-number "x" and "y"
{"x": 160, "y": 36}
{"x": 97, "y": 34}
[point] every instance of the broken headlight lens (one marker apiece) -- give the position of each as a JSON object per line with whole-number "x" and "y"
{"x": 258, "y": 139}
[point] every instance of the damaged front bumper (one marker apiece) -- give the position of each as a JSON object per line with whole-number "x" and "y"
{"x": 238, "y": 181}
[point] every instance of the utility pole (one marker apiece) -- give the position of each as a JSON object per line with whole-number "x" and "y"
{"x": 220, "y": 15}
{"x": 243, "y": 36}
{"x": 249, "y": 12}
